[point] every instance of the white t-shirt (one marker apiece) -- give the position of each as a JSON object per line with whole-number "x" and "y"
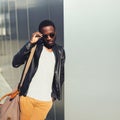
{"x": 41, "y": 85}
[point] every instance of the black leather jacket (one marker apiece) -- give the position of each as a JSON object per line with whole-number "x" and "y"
{"x": 22, "y": 56}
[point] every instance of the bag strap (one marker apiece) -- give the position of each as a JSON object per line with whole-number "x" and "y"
{"x": 16, "y": 92}
{"x": 27, "y": 66}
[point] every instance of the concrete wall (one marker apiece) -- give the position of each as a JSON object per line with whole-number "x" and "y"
{"x": 92, "y": 43}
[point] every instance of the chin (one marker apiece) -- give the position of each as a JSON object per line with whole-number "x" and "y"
{"x": 50, "y": 44}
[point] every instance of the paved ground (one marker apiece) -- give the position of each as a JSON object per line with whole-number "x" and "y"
{"x": 9, "y": 76}
{"x": 4, "y": 86}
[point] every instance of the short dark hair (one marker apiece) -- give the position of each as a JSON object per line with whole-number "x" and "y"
{"x": 45, "y": 23}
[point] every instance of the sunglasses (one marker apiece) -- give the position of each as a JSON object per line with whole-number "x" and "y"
{"x": 50, "y": 35}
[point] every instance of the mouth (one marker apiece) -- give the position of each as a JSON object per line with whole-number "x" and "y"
{"x": 51, "y": 42}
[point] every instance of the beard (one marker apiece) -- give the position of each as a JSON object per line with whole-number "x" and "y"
{"x": 48, "y": 44}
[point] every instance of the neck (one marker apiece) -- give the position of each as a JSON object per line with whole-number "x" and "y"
{"x": 49, "y": 50}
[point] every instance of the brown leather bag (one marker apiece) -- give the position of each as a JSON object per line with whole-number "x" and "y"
{"x": 10, "y": 109}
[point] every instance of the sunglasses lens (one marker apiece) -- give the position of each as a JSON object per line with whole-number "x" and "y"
{"x": 45, "y": 36}
{"x": 51, "y": 35}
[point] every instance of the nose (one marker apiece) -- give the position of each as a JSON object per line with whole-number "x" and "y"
{"x": 49, "y": 38}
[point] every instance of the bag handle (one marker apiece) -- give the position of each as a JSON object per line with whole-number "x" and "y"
{"x": 16, "y": 92}
{"x": 11, "y": 94}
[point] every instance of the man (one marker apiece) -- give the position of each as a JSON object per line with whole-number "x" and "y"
{"x": 44, "y": 79}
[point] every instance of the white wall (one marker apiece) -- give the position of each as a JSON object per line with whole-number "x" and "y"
{"x": 92, "y": 44}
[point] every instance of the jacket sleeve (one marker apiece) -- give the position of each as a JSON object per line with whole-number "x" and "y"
{"x": 22, "y": 55}
{"x": 62, "y": 67}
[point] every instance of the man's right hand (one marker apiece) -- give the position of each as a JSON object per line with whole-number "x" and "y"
{"x": 35, "y": 37}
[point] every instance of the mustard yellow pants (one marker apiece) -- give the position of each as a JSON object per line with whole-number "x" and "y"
{"x": 32, "y": 109}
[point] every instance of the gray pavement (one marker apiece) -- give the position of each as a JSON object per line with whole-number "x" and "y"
{"x": 4, "y": 86}
{"x": 9, "y": 76}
